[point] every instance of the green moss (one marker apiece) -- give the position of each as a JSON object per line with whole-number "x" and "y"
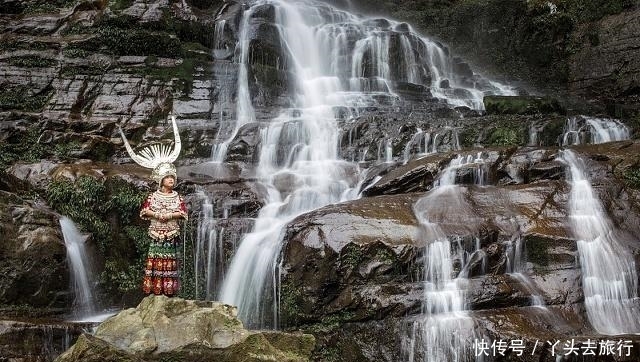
{"x": 188, "y": 278}
{"x": 291, "y": 299}
{"x": 502, "y": 136}
{"x": 521, "y": 105}
{"x": 551, "y": 132}
{"x": 64, "y": 150}
{"x": 140, "y": 42}
{"x": 16, "y": 44}
{"x": 350, "y": 256}
{"x": 182, "y": 75}
{"x": 71, "y": 71}
{"x": 332, "y": 321}
{"x": 632, "y": 177}
{"x": 75, "y": 53}
{"x": 120, "y": 4}
{"x": 23, "y": 147}
{"x": 468, "y": 137}
{"x": 21, "y": 98}
{"x": 591, "y": 10}
{"x": 47, "y": 6}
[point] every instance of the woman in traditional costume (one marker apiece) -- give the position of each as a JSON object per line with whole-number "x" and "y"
{"x": 164, "y": 208}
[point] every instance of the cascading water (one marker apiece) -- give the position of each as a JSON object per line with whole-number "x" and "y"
{"x": 446, "y": 331}
{"x": 81, "y": 270}
{"x": 516, "y": 268}
{"x": 298, "y": 166}
{"x": 422, "y": 143}
{"x": 581, "y": 130}
{"x": 338, "y": 61}
{"x": 609, "y": 278}
{"x": 244, "y": 108}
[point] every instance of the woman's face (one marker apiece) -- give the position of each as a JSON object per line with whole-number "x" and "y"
{"x": 169, "y": 182}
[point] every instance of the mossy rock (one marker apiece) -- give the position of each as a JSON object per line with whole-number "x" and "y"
{"x": 521, "y": 105}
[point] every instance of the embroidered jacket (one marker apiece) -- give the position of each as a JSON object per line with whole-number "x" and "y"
{"x": 161, "y": 203}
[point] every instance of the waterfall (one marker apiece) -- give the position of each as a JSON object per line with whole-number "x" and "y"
{"x": 298, "y": 165}
{"x": 582, "y": 129}
{"x": 244, "y": 107}
{"x": 337, "y": 60}
{"x": 609, "y": 278}
{"x": 516, "y": 268}
{"x": 362, "y": 62}
{"x": 446, "y": 330}
{"x": 80, "y": 267}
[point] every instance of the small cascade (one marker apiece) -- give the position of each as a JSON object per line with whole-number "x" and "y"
{"x": 81, "y": 269}
{"x": 423, "y": 143}
{"x": 583, "y": 130}
{"x": 244, "y": 107}
{"x": 418, "y": 145}
{"x": 209, "y": 253}
{"x": 385, "y": 150}
{"x": 516, "y": 268}
{"x": 220, "y": 49}
{"x": 533, "y": 135}
{"x": 446, "y": 331}
{"x": 609, "y": 276}
{"x": 217, "y": 237}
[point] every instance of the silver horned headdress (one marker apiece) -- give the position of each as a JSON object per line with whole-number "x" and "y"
{"x": 157, "y": 156}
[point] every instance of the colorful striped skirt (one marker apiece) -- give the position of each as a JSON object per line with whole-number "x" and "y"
{"x": 161, "y": 268}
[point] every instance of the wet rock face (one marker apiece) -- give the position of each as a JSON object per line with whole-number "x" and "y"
{"x": 173, "y": 328}
{"x": 358, "y": 265}
{"x": 365, "y": 257}
{"x": 33, "y": 255}
{"x": 36, "y": 341}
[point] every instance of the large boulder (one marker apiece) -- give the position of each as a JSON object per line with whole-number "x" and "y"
{"x": 162, "y": 328}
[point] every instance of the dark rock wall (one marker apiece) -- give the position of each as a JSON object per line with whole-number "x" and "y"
{"x": 588, "y": 48}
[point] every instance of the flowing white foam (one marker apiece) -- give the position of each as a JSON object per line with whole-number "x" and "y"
{"x": 582, "y": 129}
{"x": 80, "y": 265}
{"x": 446, "y": 332}
{"x": 609, "y": 278}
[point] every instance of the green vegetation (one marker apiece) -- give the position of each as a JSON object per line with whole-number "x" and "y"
{"x": 64, "y": 150}
{"x": 46, "y": 6}
{"x": 187, "y": 276}
{"x": 24, "y": 147}
{"x": 507, "y": 133}
{"x": 468, "y": 136}
{"x": 121, "y": 41}
{"x": 291, "y": 299}
{"x": 107, "y": 209}
{"x": 552, "y": 132}
{"x": 72, "y": 71}
{"x": 21, "y": 98}
{"x": 350, "y": 256}
{"x": 15, "y": 44}
{"x": 75, "y": 53}
{"x": 120, "y": 4}
{"x": 632, "y": 177}
{"x": 583, "y": 11}
{"x": 521, "y": 105}
{"x": 502, "y": 136}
